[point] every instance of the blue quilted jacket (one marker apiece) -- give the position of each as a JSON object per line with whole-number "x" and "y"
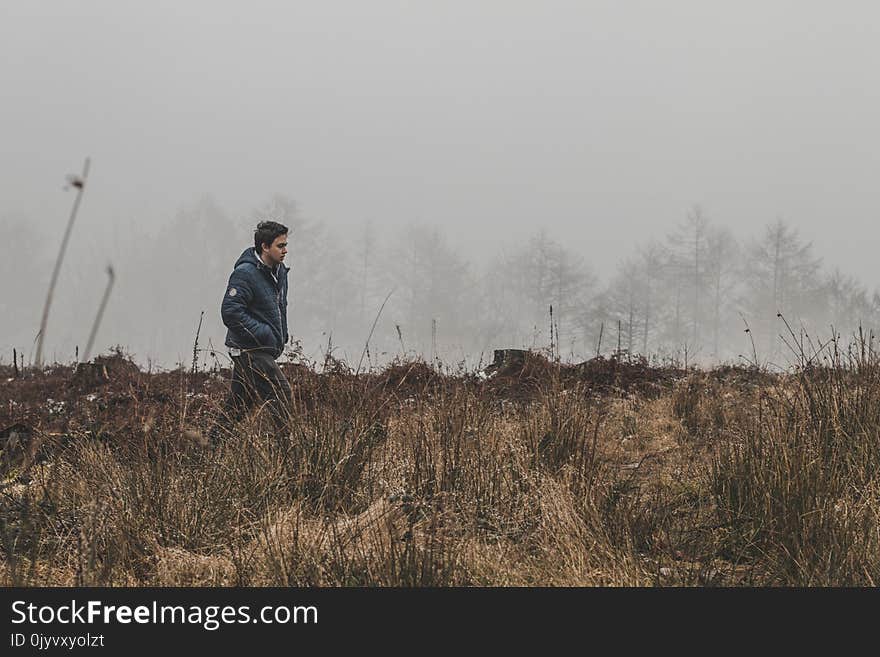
{"x": 254, "y": 308}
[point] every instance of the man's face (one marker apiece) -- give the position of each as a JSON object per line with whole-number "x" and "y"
{"x": 274, "y": 254}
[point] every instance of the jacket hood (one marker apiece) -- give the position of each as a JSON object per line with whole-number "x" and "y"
{"x": 249, "y": 255}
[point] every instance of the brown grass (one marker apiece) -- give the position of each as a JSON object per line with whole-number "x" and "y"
{"x": 608, "y": 473}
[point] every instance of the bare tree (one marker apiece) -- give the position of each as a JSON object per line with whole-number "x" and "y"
{"x": 651, "y": 262}
{"x": 687, "y": 246}
{"x": 435, "y": 288}
{"x": 537, "y": 275}
{"x": 722, "y": 253}
{"x": 848, "y": 306}
{"x": 782, "y": 277}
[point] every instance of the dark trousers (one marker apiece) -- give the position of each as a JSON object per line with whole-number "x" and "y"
{"x": 257, "y": 380}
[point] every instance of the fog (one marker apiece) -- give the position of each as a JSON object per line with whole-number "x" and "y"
{"x": 430, "y": 150}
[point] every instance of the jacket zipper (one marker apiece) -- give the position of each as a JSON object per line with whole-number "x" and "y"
{"x": 277, "y": 284}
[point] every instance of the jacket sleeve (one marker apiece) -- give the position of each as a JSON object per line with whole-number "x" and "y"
{"x": 284, "y": 306}
{"x": 233, "y": 310}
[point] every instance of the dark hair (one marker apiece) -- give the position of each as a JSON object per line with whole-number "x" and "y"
{"x": 266, "y": 233}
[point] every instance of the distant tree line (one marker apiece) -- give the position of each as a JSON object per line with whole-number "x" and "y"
{"x": 688, "y": 295}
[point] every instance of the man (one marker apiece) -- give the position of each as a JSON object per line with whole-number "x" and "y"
{"x": 254, "y": 310}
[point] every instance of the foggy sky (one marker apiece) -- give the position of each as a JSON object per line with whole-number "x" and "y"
{"x": 602, "y": 121}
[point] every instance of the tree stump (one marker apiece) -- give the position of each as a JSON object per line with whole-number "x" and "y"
{"x": 507, "y": 360}
{"x": 91, "y": 374}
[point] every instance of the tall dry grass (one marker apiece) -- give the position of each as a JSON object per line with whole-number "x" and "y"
{"x": 797, "y": 490}
{"x": 408, "y": 477}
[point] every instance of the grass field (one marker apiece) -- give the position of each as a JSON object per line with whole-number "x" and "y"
{"x": 606, "y": 473}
